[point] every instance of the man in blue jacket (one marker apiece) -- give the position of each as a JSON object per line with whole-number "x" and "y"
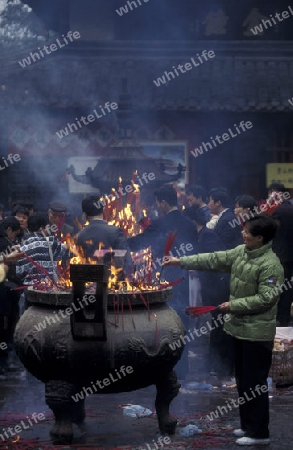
{"x": 226, "y": 228}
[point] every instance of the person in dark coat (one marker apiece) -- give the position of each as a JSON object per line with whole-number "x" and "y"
{"x": 9, "y": 299}
{"x": 156, "y": 235}
{"x": 214, "y": 291}
{"x": 196, "y": 195}
{"x": 185, "y": 244}
{"x": 21, "y": 213}
{"x": 283, "y": 247}
{"x": 227, "y": 227}
{"x": 99, "y": 235}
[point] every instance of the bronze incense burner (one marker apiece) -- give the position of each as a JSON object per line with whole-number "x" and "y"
{"x": 99, "y": 342}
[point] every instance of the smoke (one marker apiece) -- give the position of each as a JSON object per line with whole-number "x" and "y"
{"x": 41, "y": 99}
{"x": 18, "y": 23}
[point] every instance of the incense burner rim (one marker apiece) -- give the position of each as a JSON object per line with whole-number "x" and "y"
{"x": 64, "y": 298}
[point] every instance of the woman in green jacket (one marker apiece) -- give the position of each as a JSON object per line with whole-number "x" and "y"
{"x": 256, "y": 276}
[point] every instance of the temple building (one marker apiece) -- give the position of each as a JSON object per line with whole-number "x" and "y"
{"x": 210, "y": 88}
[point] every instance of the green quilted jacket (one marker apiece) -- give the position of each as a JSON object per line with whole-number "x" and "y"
{"x": 254, "y": 294}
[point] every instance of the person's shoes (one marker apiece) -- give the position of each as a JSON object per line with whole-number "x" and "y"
{"x": 252, "y": 441}
{"x": 239, "y": 432}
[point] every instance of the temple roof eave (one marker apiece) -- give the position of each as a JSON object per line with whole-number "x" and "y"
{"x": 244, "y": 76}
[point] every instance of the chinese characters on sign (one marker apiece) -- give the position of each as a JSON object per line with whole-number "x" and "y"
{"x": 280, "y": 173}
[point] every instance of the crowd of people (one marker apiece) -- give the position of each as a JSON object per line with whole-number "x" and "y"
{"x": 239, "y": 250}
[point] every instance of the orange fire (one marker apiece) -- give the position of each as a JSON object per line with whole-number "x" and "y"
{"x": 16, "y": 439}
{"x": 125, "y": 217}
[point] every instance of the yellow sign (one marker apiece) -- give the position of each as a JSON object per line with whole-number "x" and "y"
{"x": 280, "y": 173}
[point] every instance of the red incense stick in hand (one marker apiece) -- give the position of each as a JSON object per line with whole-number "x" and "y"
{"x": 196, "y": 311}
{"x": 39, "y": 267}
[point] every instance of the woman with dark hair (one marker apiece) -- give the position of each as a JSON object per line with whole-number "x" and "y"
{"x": 251, "y": 319}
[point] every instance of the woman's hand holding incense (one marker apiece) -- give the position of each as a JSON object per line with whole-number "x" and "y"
{"x": 224, "y": 307}
{"x": 171, "y": 261}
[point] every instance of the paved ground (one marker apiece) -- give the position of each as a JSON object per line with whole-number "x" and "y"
{"x": 107, "y": 428}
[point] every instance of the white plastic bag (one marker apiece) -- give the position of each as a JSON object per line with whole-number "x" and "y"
{"x": 136, "y": 411}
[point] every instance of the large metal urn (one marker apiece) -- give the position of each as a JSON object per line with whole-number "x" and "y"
{"x": 99, "y": 342}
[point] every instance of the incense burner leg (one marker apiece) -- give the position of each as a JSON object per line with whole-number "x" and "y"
{"x": 58, "y": 398}
{"x": 167, "y": 389}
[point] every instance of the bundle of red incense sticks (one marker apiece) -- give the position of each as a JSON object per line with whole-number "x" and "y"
{"x": 199, "y": 310}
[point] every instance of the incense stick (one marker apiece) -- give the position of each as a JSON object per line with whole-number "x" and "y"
{"x": 45, "y": 272}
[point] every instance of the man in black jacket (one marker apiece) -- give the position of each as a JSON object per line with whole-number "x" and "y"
{"x": 98, "y": 234}
{"x": 226, "y": 228}
{"x": 283, "y": 247}
{"x": 156, "y": 236}
{"x": 185, "y": 244}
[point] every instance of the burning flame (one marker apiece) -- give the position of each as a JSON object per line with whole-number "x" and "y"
{"x": 126, "y": 220}
{"x": 135, "y": 188}
{"x": 16, "y": 439}
{"x": 125, "y": 217}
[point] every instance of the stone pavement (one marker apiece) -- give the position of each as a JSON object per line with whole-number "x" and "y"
{"x": 106, "y": 427}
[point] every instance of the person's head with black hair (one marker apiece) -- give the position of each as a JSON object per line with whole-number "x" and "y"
{"x": 276, "y": 192}
{"x": 38, "y": 222}
{"x": 30, "y": 207}
{"x": 166, "y": 199}
{"x": 244, "y": 204}
{"x": 10, "y": 227}
{"x": 93, "y": 207}
{"x": 196, "y": 214}
{"x": 258, "y": 231}
{"x": 26, "y": 204}
{"x": 22, "y": 214}
{"x": 196, "y": 195}
{"x": 276, "y": 187}
{"x": 218, "y": 200}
